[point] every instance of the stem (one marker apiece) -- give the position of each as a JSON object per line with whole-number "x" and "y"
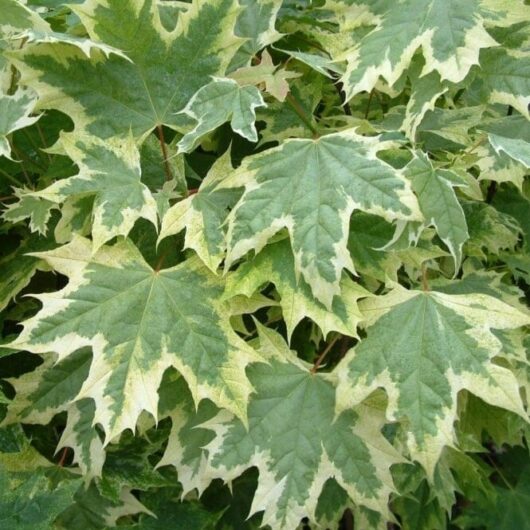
{"x": 24, "y": 172}
{"x": 475, "y": 145}
{"x": 13, "y": 179}
{"x": 499, "y": 472}
{"x": 424, "y": 279}
{"x": 492, "y": 189}
{"x": 63, "y": 457}
{"x": 163, "y": 146}
{"x": 367, "y": 111}
{"x": 43, "y": 140}
{"x": 301, "y": 114}
{"x": 320, "y": 358}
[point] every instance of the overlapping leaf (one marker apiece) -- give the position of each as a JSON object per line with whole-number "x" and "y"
{"x": 139, "y": 322}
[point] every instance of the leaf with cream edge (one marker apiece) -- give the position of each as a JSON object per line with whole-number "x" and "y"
{"x": 311, "y": 187}
{"x": 109, "y": 170}
{"x": 109, "y": 96}
{"x": 139, "y": 322}
{"x": 221, "y": 101}
{"x": 515, "y": 148}
{"x": 451, "y": 34}
{"x": 203, "y": 214}
{"x": 275, "y": 264}
{"x": 51, "y": 389}
{"x": 423, "y": 348}
{"x": 15, "y": 113}
{"x": 36, "y": 209}
{"x": 438, "y": 202}
{"x": 297, "y": 441}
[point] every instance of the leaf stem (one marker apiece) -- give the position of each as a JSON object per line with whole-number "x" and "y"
{"x": 63, "y": 457}
{"x": 424, "y": 278}
{"x": 165, "y": 156}
{"x": 295, "y": 104}
{"x": 320, "y": 358}
{"x": 13, "y": 179}
{"x": 367, "y": 111}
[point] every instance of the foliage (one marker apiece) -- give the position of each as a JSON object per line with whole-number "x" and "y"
{"x": 265, "y": 263}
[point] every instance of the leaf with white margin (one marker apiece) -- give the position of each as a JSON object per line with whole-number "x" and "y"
{"x": 109, "y": 170}
{"x": 187, "y": 439}
{"x": 515, "y": 148}
{"x": 423, "y": 348}
{"x": 297, "y": 441}
{"x": 505, "y": 78}
{"x": 439, "y": 203}
{"x": 15, "y": 113}
{"x": 203, "y": 214}
{"x": 51, "y": 388}
{"x": 311, "y": 187}
{"x": 275, "y": 264}
{"x": 221, "y": 101}
{"x": 109, "y": 96}
{"x": 36, "y": 209}
{"x": 139, "y": 321}
{"x": 450, "y": 32}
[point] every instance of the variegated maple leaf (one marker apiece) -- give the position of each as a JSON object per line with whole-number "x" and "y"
{"x": 450, "y": 32}
{"x": 423, "y": 348}
{"x": 139, "y": 321}
{"x": 311, "y": 187}
{"x": 110, "y": 171}
{"x": 15, "y": 113}
{"x": 275, "y": 264}
{"x": 294, "y": 438}
{"x": 108, "y": 96}
{"x": 218, "y": 102}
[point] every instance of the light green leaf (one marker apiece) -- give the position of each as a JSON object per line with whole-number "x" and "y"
{"x": 15, "y": 113}
{"x": 439, "y": 203}
{"x": 297, "y": 441}
{"x": 38, "y": 210}
{"x": 139, "y": 321}
{"x": 423, "y": 348}
{"x": 515, "y": 148}
{"x": 274, "y": 78}
{"x": 110, "y": 171}
{"x": 220, "y": 101}
{"x": 108, "y": 96}
{"x": 203, "y": 214}
{"x": 450, "y": 32}
{"x": 311, "y": 187}
{"x": 275, "y": 264}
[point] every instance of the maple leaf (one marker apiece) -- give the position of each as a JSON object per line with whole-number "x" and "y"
{"x": 203, "y": 214}
{"x": 36, "y": 209}
{"x": 297, "y": 441}
{"x": 220, "y": 101}
{"x": 423, "y": 348}
{"x": 139, "y": 322}
{"x": 15, "y": 113}
{"x": 451, "y": 33}
{"x": 110, "y": 171}
{"x": 311, "y": 188}
{"x": 107, "y": 97}
{"x": 274, "y": 78}
{"x": 439, "y": 203}
{"x": 275, "y": 264}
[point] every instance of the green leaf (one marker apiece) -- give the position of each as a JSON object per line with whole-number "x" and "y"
{"x": 451, "y": 34}
{"x": 36, "y": 209}
{"x": 203, "y": 215}
{"x": 172, "y": 317}
{"x": 220, "y": 101}
{"x": 439, "y": 203}
{"x": 109, "y": 96}
{"x": 275, "y": 264}
{"x": 423, "y": 348}
{"x": 110, "y": 171}
{"x": 517, "y": 149}
{"x": 297, "y": 441}
{"x": 311, "y": 188}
